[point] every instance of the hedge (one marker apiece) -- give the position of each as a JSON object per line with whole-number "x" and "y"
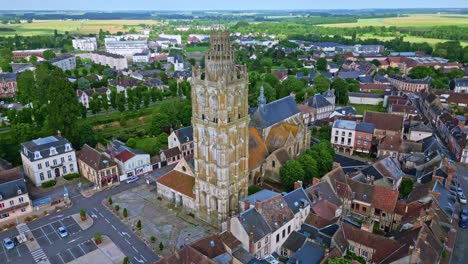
{"x": 71, "y": 176}
{"x": 49, "y": 184}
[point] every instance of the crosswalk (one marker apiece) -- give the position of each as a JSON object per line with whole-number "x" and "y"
{"x": 38, "y": 255}
{"x": 22, "y": 228}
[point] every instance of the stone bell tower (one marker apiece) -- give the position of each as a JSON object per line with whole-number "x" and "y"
{"x": 220, "y": 122}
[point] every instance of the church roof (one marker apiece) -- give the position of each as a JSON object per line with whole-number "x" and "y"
{"x": 274, "y": 112}
{"x": 257, "y": 149}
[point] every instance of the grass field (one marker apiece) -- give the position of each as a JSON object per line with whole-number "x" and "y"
{"x": 413, "y": 39}
{"x": 423, "y": 20}
{"x": 44, "y": 27}
{"x": 361, "y": 108}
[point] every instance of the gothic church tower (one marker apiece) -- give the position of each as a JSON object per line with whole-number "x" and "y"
{"x": 220, "y": 122}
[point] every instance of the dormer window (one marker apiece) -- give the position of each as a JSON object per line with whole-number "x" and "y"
{"x": 19, "y": 192}
{"x": 53, "y": 151}
{"x": 68, "y": 147}
{"x": 37, "y": 155}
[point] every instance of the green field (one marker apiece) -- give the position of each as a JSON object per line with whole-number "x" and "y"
{"x": 413, "y": 39}
{"x": 361, "y": 108}
{"x": 47, "y": 27}
{"x": 423, "y": 20}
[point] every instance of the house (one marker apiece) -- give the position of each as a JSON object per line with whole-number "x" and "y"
{"x": 85, "y": 44}
{"x": 131, "y": 162}
{"x": 97, "y": 167}
{"x": 19, "y": 54}
{"x": 178, "y": 185}
{"x": 46, "y": 159}
{"x": 385, "y": 172}
{"x": 385, "y": 124}
{"x": 320, "y": 106}
{"x": 126, "y": 48}
{"x": 407, "y": 84}
{"x": 309, "y": 252}
{"x": 8, "y": 85}
{"x": 343, "y": 135}
{"x": 141, "y": 57}
{"x": 364, "y": 136}
{"x": 14, "y": 197}
{"x": 85, "y": 96}
{"x": 459, "y": 85}
{"x": 182, "y": 138}
{"x": 389, "y": 146}
{"x": 177, "y": 38}
{"x": 419, "y": 131}
{"x": 368, "y": 49}
{"x": 176, "y": 60}
{"x": 115, "y": 61}
{"x": 22, "y": 67}
{"x": 66, "y": 62}
{"x": 171, "y": 156}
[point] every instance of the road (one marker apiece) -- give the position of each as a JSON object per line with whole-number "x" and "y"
{"x": 78, "y": 243}
{"x": 460, "y": 252}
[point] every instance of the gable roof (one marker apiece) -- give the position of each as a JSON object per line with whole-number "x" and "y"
{"x": 275, "y": 211}
{"x": 11, "y": 182}
{"x": 297, "y": 199}
{"x": 258, "y": 151}
{"x": 384, "y": 121}
{"x": 365, "y": 127}
{"x": 274, "y": 112}
{"x": 184, "y": 134}
{"x": 172, "y": 152}
{"x": 178, "y": 181}
{"x": 125, "y": 155}
{"x": 211, "y": 246}
{"x": 279, "y": 134}
{"x": 253, "y": 222}
{"x": 317, "y": 101}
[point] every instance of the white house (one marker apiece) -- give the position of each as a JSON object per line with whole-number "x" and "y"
{"x": 343, "y": 135}
{"x": 84, "y": 97}
{"x": 131, "y": 162}
{"x": 177, "y": 38}
{"x": 66, "y": 62}
{"x": 115, "y": 61}
{"x": 126, "y": 48}
{"x": 46, "y": 159}
{"x": 142, "y": 57}
{"x": 183, "y": 139}
{"x": 14, "y": 198}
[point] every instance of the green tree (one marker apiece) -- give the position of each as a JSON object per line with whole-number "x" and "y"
{"x": 83, "y": 84}
{"x": 321, "y": 83}
{"x": 291, "y": 84}
{"x": 108, "y": 73}
{"x": 269, "y": 92}
{"x": 120, "y": 102}
{"x": 95, "y": 103}
{"x": 340, "y": 260}
{"x": 125, "y": 212}
{"x": 109, "y": 200}
{"x": 63, "y": 107}
{"x": 406, "y": 187}
{"x": 26, "y": 84}
{"x": 131, "y": 142}
{"x": 322, "y": 64}
{"x": 419, "y": 72}
{"x": 161, "y": 246}
{"x": 310, "y": 167}
{"x": 341, "y": 91}
{"x": 159, "y": 121}
{"x": 104, "y": 102}
{"x": 138, "y": 225}
{"x": 126, "y": 260}
{"x": 48, "y": 54}
{"x": 113, "y": 98}
{"x": 6, "y": 57}
{"x": 291, "y": 172}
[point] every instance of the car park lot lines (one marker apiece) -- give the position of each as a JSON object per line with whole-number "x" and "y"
{"x": 48, "y": 234}
{"x": 72, "y": 253}
{"x": 14, "y": 255}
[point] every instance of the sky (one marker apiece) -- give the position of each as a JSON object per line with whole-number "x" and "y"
{"x": 223, "y": 4}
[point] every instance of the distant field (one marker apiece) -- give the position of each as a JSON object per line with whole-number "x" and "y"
{"x": 430, "y": 41}
{"x": 76, "y": 26}
{"x": 423, "y": 20}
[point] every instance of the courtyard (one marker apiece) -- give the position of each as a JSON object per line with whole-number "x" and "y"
{"x": 171, "y": 226}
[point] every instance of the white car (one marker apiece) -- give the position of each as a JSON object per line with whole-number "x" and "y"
{"x": 460, "y": 191}
{"x": 62, "y": 231}
{"x": 8, "y": 243}
{"x": 132, "y": 179}
{"x": 462, "y": 199}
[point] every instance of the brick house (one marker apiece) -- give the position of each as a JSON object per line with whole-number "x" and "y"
{"x": 385, "y": 124}
{"x": 364, "y": 136}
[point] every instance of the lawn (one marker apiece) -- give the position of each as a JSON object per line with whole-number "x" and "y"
{"x": 419, "y": 20}
{"x": 196, "y": 48}
{"x": 47, "y": 27}
{"x": 361, "y": 108}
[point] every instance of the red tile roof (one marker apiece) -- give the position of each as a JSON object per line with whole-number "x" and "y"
{"x": 384, "y": 121}
{"x": 178, "y": 181}
{"x": 384, "y": 199}
{"x": 125, "y": 155}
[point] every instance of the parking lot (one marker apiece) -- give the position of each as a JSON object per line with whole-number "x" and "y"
{"x": 73, "y": 253}
{"x": 15, "y": 255}
{"x": 48, "y": 234}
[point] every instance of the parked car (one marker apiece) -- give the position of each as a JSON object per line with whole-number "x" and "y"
{"x": 463, "y": 222}
{"x": 62, "y": 231}
{"x": 132, "y": 179}
{"x": 462, "y": 199}
{"x": 464, "y": 213}
{"x": 8, "y": 243}
{"x": 459, "y": 190}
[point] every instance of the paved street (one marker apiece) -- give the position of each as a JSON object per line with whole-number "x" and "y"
{"x": 460, "y": 254}
{"x": 78, "y": 242}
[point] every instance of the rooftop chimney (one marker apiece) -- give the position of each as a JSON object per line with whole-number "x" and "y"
{"x": 246, "y": 204}
{"x": 59, "y": 133}
{"x": 297, "y": 185}
{"x": 251, "y": 243}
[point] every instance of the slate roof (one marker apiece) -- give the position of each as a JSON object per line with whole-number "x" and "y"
{"x": 365, "y": 127}
{"x": 294, "y": 241}
{"x": 274, "y": 112}
{"x": 317, "y": 101}
{"x": 43, "y": 145}
{"x": 311, "y": 253}
{"x": 8, "y": 77}
{"x": 344, "y": 124}
{"x": 259, "y": 196}
{"x": 325, "y": 209}
{"x": 319, "y": 234}
{"x": 253, "y": 222}
{"x": 323, "y": 190}
{"x": 172, "y": 152}
{"x": 184, "y": 134}
{"x": 275, "y": 211}
{"x": 12, "y": 181}
{"x": 365, "y": 95}
{"x": 384, "y": 121}
{"x": 346, "y": 110}
{"x": 179, "y": 181}
{"x": 349, "y": 74}
{"x": 297, "y": 199}
{"x": 94, "y": 158}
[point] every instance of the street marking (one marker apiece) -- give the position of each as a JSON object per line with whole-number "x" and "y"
{"x": 71, "y": 241}
{"x": 114, "y": 227}
{"x": 4, "y": 251}
{"x": 63, "y": 261}
{"x": 71, "y": 253}
{"x": 126, "y": 234}
{"x": 17, "y": 250}
{"x": 101, "y": 215}
{"x": 127, "y": 241}
{"x": 57, "y": 216}
{"x": 38, "y": 255}
{"x": 107, "y": 220}
{"x": 135, "y": 249}
{"x": 81, "y": 249}
{"x": 139, "y": 260}
{"x": 120, "y": 234}
{"x": 45, "y": 235}
{"x": 143, "y": 258}
{"x": 95, "y": 209}
{"x": 22, "y": 228}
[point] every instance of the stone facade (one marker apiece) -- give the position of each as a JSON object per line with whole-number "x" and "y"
{"x": 220, "y": 122}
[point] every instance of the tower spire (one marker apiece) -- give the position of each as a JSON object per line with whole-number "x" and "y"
{"x": 261, "y": 99}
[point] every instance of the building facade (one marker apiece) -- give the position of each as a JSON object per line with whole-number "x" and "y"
{"x": 343, "y": 135}
{"x": 67, "y": 62}
{"x": 8, "y": 85}
{"x": 126, "y": 48}
{"x": 115, "y": 61}
{"x": 410, "y": 85}
{"x": 364, "y": 135}
{"x": 97, "y": 167}
{"x": 46, "y": 159}
{"x": 85, "y": 44}
{"x": 14, "y": 198}
{"x": 220, "y": 122}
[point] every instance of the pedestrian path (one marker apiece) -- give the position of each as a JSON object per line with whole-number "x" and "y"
{"x": 39, "y": 255}
{"x": 22, "y": 228}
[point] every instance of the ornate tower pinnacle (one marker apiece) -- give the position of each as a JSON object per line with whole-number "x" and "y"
{"x": 261, "y": 99}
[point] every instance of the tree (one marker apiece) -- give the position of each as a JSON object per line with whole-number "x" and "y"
{"x": 406, "y": 187}
{"x": 164, "y": 77}
{"x": 108, "y": 73}
{"x": 63, "y": 107}
{"x": 376, "y": 62}
{"x": 117, "y": 208}
{"x": 83, "y": 84}
{"x": 138, "y": 225}
{"x": 310, "y": 167}
{"x": 95, "y": 103}
{"x": 126, "y": 260}
{"x": 33, "y": 59}
{"x": 419, "y": 72}
{"x": 291, "y": 172}
{"x": 159, "y": 121}
{"x": 291, "y": 84}
{"x": 152, "y": 239}
{"x": 113, "y": 98}
{"x": 340, "y": 260}
{"x": 341, "y": 91}
{"x": 125, "y": 212}
{"x": 321, "y": 83}
{"x": 161, "y": 246}
{"x": 98, "y": 238}
{"x": 48, "y": 54}
{"x": 82, "y": 133}
{"x": 131, "y": 142}
{"x": 120, "y": 101}
{"x": 322, "y": 64}
{"x": 109, "y": 200}
{"x": 6, "y": 57}
{"x": 26, "y": 84}
{"x": 269, "y": 93}
{"x": 82, "y": 215}
{"x": 104, "y": 102}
